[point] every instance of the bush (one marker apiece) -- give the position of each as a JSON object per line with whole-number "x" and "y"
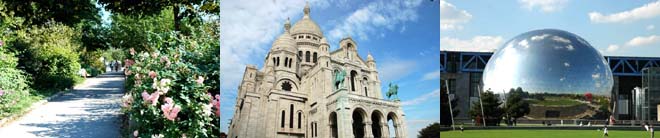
{"x": 168, "y": 90}
{"x": 50, "y": 54}
{"x": 14, "y": 88}
{"x": 92, "y": 63}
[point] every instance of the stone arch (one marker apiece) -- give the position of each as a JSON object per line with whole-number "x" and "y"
{"x": 359, "y": 121}
{"x": 283, "y": 117}
{"x": 377, "y": 121}
{"x": 291, "y": 116}
{"x": 394, "y": 118}
{"x": 290, "y": 62}
{"x": 278, "y": 61}
{"x": 286, "y": 61}
{"x": 333, "y": 124}
{"x": 301, "y": 117}
{"x": 353, "y": 74}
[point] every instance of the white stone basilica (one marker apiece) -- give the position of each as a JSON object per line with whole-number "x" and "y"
{"x": 298, "y": 94}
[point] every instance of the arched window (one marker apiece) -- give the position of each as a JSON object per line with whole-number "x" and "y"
{"x": 314, "y": 57}
{"x": 311, "y": 128}
{"x": 282, "y": 121}
{"x": 365, "y": 84}
{"x": 290, "y": 62}
{"x": 316, "y": 131}
{"x": 286, "y": 61}
{"x": 353, "y": 75}
{"x": 278, "y": 61}
{"x": 274, "y": 61}
{"x": 307, "y": 56}
{"x": 291, "y": 117}
{"x": 299, "y": 118}
{"x": 300, "y": 54}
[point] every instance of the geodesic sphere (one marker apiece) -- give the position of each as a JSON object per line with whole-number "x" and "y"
{"x": 563, "y": 75}
{"x": 548, "y": 61}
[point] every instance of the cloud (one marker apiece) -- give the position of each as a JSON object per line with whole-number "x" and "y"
{"x": 421, "y": 99}
{"x": 641, "y": 40}
{"x": 544, "y": 5}
{"x": 650, "y": 27}
{"x": 477, "y": 43}
{"x": 612, "y": 48}
{"x": 645, "y": 12}
{"x": 431, "y": 75}
{"x": 374, "y": 17}
{"x": 393, "y": 69}
{"x": 451, "y": 17}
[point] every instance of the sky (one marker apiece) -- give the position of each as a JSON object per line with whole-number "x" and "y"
{"x": 615, "y": 28}
{"x": 402, "y": 36}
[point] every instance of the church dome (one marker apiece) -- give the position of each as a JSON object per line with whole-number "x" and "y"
{"x": 284, "y": 42}
{"x": 306, "y": 25}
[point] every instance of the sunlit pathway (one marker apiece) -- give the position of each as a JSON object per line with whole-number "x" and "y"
{"x": 90, "y": 111}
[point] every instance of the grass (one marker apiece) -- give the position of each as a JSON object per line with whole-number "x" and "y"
{"x": 543, "y": 134}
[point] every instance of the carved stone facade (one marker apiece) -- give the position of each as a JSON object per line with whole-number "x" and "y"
{"x": 295, "y": 94}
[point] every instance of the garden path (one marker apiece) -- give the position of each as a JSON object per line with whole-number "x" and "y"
{"x": 91, "y": 110}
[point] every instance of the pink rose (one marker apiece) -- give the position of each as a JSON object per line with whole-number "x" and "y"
{"x": 128, "y": 63}
{"x": 216, "y": 104}
{"x": 152, "y": 74}
{"x": 2, "y": 92}
{"x": 135, "y": 133}
{"x": 127, "y": 72}
{"x": 150, "y": 98}
{"x": 200, "y": 80}
{"x": 170, "y": 111}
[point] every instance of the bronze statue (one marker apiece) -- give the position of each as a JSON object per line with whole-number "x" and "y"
{"x": 392, "y": 92}
{"x": 339, "y": 79}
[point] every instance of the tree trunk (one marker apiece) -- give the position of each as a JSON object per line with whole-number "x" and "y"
{"x": 177, "y": 17}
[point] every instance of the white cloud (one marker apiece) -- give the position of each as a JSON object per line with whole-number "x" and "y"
{"x": 612, "y": 48}
{"x": 566, "y": 64}
{"x": 645, "y": 12}
{"x": 477, "y": 43}
{"x": 374, "y": 17}
{"x": 431, "y": 75}
{"x": 641, "y": 40}
{"x": 423, "y": 98}
{"x": 451, "y": 17}
{"x": 393, "y": 69}
{"x": 650, "y": 27}
{"x": 543, "y": 5}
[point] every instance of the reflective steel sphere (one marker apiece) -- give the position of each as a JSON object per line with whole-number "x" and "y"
{"x": 555, "y": 65}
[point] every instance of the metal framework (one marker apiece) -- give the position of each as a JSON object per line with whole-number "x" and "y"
{"x": 621, "y": 66}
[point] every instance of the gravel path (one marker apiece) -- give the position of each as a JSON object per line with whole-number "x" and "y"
{"x": 90, "y": 111}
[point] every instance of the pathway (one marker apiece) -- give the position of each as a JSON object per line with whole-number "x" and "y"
{"x": 90, "y": 111}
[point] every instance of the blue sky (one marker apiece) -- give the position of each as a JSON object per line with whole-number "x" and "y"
{"x": 615, "y": 28}
{"x": 402, "y": 36}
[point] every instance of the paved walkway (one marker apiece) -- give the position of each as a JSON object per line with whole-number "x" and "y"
{"x": 90, "y": 111}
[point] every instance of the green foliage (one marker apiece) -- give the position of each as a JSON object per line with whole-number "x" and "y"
{"x": 190, "y": 11}
{"x": 50, "y": 54}
{"x": 68, "y": 12}
{"x": 516, "y": 107}
{"x": 492, "y": 109}
{"x": 181, "y": 60}
{"x": 91, "y": 61}
{"x": 430, "y": 131}
{"x": 14, "y": 84}
{"x": 133, "y": 32}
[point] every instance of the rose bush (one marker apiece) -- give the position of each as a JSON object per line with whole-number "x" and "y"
{"x": 170, "y": 90}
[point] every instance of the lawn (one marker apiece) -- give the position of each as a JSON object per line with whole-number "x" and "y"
{"x": 542, "y": 134}
{"x": 551, "y": 101}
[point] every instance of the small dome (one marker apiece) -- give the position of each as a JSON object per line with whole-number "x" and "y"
{"x": 324, "y": 41}
{"x": 369, "y": 57}
{"x": 306, "y": 25}
{"x": 284, "y": 42}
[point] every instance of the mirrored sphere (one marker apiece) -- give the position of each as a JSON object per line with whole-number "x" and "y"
{"x": 559, "y": 67}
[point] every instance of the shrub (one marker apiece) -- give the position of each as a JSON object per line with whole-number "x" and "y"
{"x": 92, "y": 63}
{"x": 13, "y": 83}
{"x": 49, "y": 54}
{"x": 168, "y": 91}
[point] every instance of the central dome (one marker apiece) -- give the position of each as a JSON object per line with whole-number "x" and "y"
{"x": 306, "y": 25}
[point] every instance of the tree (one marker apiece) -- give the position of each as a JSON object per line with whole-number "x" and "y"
{"x": 492, "y": 109}
{"x": 516, "y": 106}
{"x": 445, "y": 115}
{"x": 430, "y": 131}
{"x": 68, "y": 12}
{"x": 191, "y": 10}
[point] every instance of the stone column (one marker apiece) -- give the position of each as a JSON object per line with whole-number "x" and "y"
{"x": 384, "y": 131}
{"x": 367, "y": 130}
